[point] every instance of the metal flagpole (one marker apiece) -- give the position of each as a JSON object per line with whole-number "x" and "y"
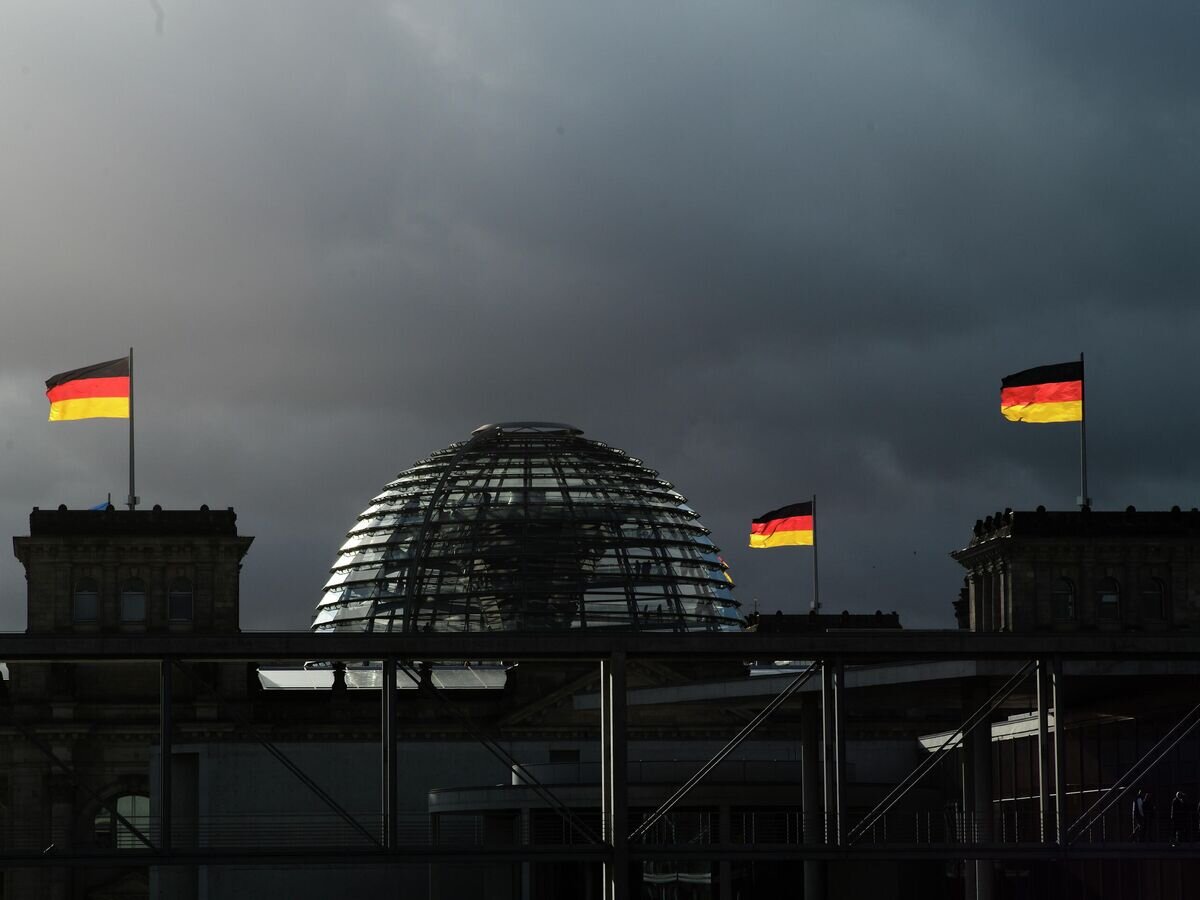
{"x": 816, "y": 604}
{"x": 132, "y": 493}
{"x": 1084, "y": 500}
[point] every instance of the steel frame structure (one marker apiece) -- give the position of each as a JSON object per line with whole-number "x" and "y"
{"x": 612, "y": 650}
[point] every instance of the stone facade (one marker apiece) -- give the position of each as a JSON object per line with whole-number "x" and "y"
{"x": 85, "y": 570}
{"x": 1082, "y": 570}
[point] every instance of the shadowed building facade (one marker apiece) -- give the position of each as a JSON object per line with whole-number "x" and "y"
{"x": 107, "y": 572}
{"x": 1083, "y": 570}
{"x": 530, "y": 527}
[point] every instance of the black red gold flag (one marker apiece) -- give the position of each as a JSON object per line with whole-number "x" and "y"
{"x": 786, "y": 526}
{"x": 1045, "y": 394}
{"x": 100, "y": 391}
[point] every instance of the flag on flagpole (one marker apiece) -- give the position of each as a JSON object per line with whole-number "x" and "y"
{"x": 100, "y": 391}
{"x": 1045, "y": 394}
{"x": 786, "y": 526}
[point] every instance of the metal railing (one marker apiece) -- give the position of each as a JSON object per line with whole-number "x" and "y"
{"x": 684, "y": 830}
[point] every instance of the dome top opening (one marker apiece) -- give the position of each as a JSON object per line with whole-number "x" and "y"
{"x": 529, "y": 428}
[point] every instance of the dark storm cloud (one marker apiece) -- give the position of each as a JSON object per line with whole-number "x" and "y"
{"x": 771, "y": 250}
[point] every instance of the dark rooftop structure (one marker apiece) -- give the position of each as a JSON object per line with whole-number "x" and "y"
{"x": 801, "y": 623}
{"x": 133, "y": 571}
{"x": 1082, "y": 570}
{"x": 111, "y": 521}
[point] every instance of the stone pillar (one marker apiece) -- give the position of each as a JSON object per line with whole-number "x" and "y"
{"x": 62, "y": 821}
{"x": 985, "y": 600}
{"x": 1004, "y": 600}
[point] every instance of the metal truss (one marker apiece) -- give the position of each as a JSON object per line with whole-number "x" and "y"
{"x": 910, "y": 781}
{"x": 612, "y": 650}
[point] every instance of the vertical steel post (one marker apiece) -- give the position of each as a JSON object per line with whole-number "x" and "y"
{"x": 828, "y": 742}
{"x": 1044, "y": 759}
{"x": 606, "y": 778}
{"x": 977, "y": 743}
{"x": 1060, "y": 757}
{"x": 810, "y": 786}
{"x": 725, "y": 839}
{"x": 164, "y": 754}
{"x": 839, "y": 749}
{"x": 388, "y": 755}
{"x": 614, "y": 772}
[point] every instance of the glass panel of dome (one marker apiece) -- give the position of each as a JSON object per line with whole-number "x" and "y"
{"x": 338, "y": 578}
{"x": 530, "y": 529}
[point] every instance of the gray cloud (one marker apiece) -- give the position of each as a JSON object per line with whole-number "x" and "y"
{"x": 771, "y": 250}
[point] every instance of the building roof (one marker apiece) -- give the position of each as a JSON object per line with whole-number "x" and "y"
{"x": 1043, "y": 524}
{"x": 111, "y": 522}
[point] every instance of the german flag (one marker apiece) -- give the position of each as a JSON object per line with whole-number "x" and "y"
{"x": 785, "y": 526}
{"x": 1045, "y": 394}
{"x": 93, "y": 392}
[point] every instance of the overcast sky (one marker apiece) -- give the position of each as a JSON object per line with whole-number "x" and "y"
{"x": 770, "y": 248}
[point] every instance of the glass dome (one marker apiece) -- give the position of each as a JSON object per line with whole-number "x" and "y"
{"x": 528, "y": 526}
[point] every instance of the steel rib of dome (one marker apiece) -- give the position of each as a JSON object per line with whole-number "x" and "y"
{"x": 528, "y": 526}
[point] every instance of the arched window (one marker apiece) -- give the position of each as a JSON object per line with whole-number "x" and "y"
{"x": 1154, "y": 599}
{"x": 179, "y": 600}
{"x": 86, "y": 601}
{"x": 1063, "y": 599}
{"x": 133, "y": 601}
{"x": 110, "y": 832}
{"x": 1108, "y": 599}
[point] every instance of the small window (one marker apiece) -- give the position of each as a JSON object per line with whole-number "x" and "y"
{"x": 179, "y": 601}
{"x": 86, "y": 600}
{"x": 133, "y": 601}
{"x": 1154, "y": 599}
{"x": 1063, "y": 599}
{"x": 110, "y": 832}
{"x": 1108, "y": 599}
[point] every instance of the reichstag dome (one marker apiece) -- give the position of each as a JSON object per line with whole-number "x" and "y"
{"x": 528, "y": 526}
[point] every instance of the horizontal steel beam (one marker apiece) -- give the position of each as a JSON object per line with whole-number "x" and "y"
{"x": 334, "y": 856}
{"x": 853, "y": 645}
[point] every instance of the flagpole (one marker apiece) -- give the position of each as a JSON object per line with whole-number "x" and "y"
{"x": 816, "y": 602}
{"x": 1083, "y": 489}
{"x": 132, "y": 493}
